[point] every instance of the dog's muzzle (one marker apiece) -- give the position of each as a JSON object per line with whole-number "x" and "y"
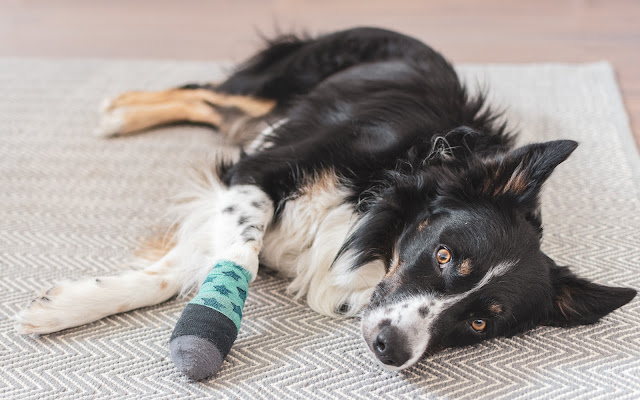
{"x": 397, "y": 334}
{"x": 390, "y": 346}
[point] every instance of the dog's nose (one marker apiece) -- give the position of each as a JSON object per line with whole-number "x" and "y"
{"x": 389, "y": 347}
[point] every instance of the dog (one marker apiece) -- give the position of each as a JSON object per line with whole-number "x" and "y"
{"x": 369, "y": 177}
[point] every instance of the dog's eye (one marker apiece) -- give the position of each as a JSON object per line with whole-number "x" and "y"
{"x": 443, "y": 256}
{"x": 478, "y": 325}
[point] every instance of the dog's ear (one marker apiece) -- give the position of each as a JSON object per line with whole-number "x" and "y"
{"x": 577, "y": 301}
{"x": 522, "y": 172}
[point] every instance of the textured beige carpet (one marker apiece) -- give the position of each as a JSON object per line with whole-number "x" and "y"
{"x": 73, "y": 205}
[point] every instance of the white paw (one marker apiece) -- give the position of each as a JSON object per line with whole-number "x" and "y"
{"x": 111, "y": 121}
{"x": 106, "y": 105}
{"x": 45, "y": 314}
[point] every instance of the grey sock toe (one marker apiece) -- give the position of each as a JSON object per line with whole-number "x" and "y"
{"x": 195, "y": 357}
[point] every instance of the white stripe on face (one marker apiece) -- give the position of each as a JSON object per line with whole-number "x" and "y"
{"x": 416, "y": 316}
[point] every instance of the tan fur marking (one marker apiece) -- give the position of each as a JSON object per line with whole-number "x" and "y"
{"x": 122, "y": 308}
{"x": 395, "y": 264}
{"x": 163, "y": 284}
{"x": 487, "y": 185}
{"x": 493, "y": 176}
{"x": 517, "y": 184}
{"x": 143, "y": 98}
{"x": 394, "y": 280}
{"x": 465, "y": 267}
{"x": 54, "y": 291}
{"x": 150, "y": 272}
{"x": 156, "y": 247}
{"x": 241, "y": 117}
{"x": 317, "y": 184}
{"x": 495, "y": 179}
{"x": 564, "y": 301}
{"x": 252, "y": 106}
{"x": 141, "y": 117}
{"x": 423, "y": 224}
{"x": 495, "y": 308}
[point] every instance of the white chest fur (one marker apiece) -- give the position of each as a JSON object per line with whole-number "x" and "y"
{"x": 305, "y": 241}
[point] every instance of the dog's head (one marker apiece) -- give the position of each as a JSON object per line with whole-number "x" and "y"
{"x": 465, "y": 263}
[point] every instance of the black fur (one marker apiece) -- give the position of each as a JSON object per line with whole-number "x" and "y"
{"x": 389, "y": 116}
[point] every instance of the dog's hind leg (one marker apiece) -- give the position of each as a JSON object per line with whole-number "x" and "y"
{"x": 136, "y": 111}
{"x": 250, "y": 105}
{"x": 121, "y": 121}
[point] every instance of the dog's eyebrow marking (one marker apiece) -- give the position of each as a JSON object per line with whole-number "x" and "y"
{"x": 495, "y": 308}
{"x": 423, "y": 224}
{"x": 465, "y": 267}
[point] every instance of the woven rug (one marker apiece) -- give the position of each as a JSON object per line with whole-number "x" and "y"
{"x": 72, "y": 205}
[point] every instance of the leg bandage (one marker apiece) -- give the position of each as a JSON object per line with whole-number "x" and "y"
{"x": 209, "y": 324}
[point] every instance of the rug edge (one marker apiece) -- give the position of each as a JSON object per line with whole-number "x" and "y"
{"x": 623, "y": 124}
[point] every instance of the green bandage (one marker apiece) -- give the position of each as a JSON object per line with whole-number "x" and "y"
{"x": 209, "y": 324}
{"x": 225, "y": 290}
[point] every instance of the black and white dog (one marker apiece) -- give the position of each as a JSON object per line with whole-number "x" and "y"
{"x": 374, "y": 181}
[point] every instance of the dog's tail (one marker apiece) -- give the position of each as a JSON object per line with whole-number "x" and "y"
{"x": 188, "y": 234}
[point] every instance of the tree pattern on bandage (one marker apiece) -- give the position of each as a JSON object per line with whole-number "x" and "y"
{"x": 225, "y": 290}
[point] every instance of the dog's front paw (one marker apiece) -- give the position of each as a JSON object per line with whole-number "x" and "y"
{"x": 45, "y": 314}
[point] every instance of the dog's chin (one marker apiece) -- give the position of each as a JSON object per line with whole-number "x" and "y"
{"x": 393, "y": 368}
{"x": 390, "y": 368}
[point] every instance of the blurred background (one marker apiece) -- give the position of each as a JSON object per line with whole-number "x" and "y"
{"x": 464, "y": 30}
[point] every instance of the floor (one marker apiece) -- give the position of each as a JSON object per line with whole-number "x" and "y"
{"x": 464, "y": 30}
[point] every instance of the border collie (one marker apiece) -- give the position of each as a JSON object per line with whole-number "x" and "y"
{"x": 371, "y": 178}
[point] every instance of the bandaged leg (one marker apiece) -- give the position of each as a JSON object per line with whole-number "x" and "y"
{"x": 209, "y": 324}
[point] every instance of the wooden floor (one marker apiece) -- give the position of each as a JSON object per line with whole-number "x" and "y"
{"x": 464, "y": 30}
